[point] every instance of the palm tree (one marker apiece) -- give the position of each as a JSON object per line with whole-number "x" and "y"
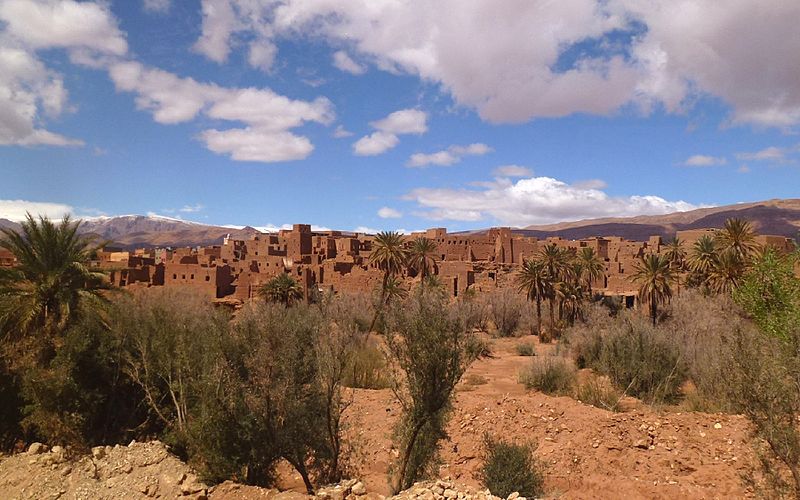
{"x": 702, "y": 258}
{"x": 726, "y": 273}
{"x": 532, "y": 281}
{"x": 653, "y": 274}
{"x": 737, "y": 236}
{"x": 390, "y": 255}
{"x": 421, "y": 256}
{"x": 592, "y": 267}
{"x": 52, "y": 284}
{"x": 554, "y": 261}
{"x": 282, "y": 289}
{"x": 570, "y": 293}
{"x": 676, "y": 255}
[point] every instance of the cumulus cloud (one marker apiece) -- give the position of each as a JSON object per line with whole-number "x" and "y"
{"x": 535, "y": 200}
{"x": 340, "y": 132}
{"x": 15, "y": 210}
{"x": 389, "y": 213}
{"x": 704, "y": 161}
{"x": 344, "y": 62}
{"x": 512, "y": 171}
{"x": 602, "y": 56}
{"x": 404, "y": 121}
{"x": 375, "y": 144}
{"x": 449, "y": 156}
{"x": 268, "y": 116}
{"x": 30, "y": 92}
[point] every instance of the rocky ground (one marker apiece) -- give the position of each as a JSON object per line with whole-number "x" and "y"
{"x": 587, "y": 452}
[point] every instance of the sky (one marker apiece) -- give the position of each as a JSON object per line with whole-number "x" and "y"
{"x": 396, "y": 114}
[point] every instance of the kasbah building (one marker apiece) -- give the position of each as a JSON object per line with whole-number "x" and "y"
{"x": 339, "y": 262}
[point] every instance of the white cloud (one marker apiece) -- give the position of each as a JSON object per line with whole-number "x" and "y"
{"x": 192, "y": 208}
{"x": 31, "y": 92}
{"x": 159, "y": 6}
{"x": 404, "y": 121}
{"x": 262, "y": 55}
{"x": 448, "y": 156}
{"x": 389, "y": 213}
{"x": 512, "y": 171}
{"x": 366, "y": 230}
{"x": 521, "y": 60}
{"x": 771, "y": 154}
{"x": 268, "y": 116}
{"x": 341, "y": 132}
{"x": 704, "y": 161}
{"x": 375, "y": 144}
{"x": 535, "y": 200}
{"x": 15, "y": 210}
{"x": 743, "y": 169}
{"x": 344, "y": 62}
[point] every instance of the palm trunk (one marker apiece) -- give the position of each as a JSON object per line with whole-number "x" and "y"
{"x": 552, "y": 315}
{"x": 653, "y": 310}
{"x": 538, "y": 315}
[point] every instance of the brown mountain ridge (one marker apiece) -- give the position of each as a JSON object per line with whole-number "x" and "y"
{"x": 779, "y": 217}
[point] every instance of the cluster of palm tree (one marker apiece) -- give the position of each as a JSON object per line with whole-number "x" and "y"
{"x": 394, "y": 255}
{"x": 716, "y": 264}
{"x": 563, "y": 277}
{"x": 282, "y": 289}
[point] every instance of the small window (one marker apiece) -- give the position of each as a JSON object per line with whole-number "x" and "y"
{"x": 192, "y": 276}
{"x": 174, "y": 276}
{"x": 183, "y": 276}
{"x": 208, "y": 278}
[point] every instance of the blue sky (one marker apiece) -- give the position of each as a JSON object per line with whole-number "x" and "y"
{"x": 396, "y": 115}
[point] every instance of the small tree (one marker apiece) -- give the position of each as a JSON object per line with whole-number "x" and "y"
{"x": 505, "y": 308}
{"x": 282, "y": 289}
{"x": 431, "y": 347}
{"x": 653, "y": 274}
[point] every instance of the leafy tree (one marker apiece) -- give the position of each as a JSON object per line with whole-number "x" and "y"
{"x": 765, "y": 372}
{"x": 675, "y": 253}
{"x": 282, "y": 289}
{"x": 432, "y": 347}
{"x": 421, "y": 256}
{"x": 52, "y": 283}
{"x": 654, "y": 275}
{"x": 531, "y": 280}
{"x": 570, "y": 295}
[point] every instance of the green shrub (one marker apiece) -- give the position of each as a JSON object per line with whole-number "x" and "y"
{"x": 549, "y": 374}
{"x": 367, "y": 369}
{"x": 475, "y": 379}
{"x": 510, "y": 468}
{"x": 525, "y": 349}
{"x": 643, "y": 363}
{"x": 599, "y": 394}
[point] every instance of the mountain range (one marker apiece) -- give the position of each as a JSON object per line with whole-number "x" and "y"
{"x": 780, "y": 217}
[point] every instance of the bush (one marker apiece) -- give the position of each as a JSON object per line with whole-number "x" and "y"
{"x": 598, "y": 393}
{"x": 510, "y": 468}
{"x": 549, "y": 374}
{"x": 505, "y": 309}
{"x": 525, "y": 349}
{"x": 641, "y": 362}
{"x": 367, "y": 368}
{"x": 81, "y": 397}
{"x": 475, "y": 379}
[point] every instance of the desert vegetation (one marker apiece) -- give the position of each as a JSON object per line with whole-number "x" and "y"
{"x": 237, "y": 393}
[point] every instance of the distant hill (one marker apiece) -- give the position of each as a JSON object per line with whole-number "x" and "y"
{"x": 780, "y": 217}
{"x": 132, "y": 231}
